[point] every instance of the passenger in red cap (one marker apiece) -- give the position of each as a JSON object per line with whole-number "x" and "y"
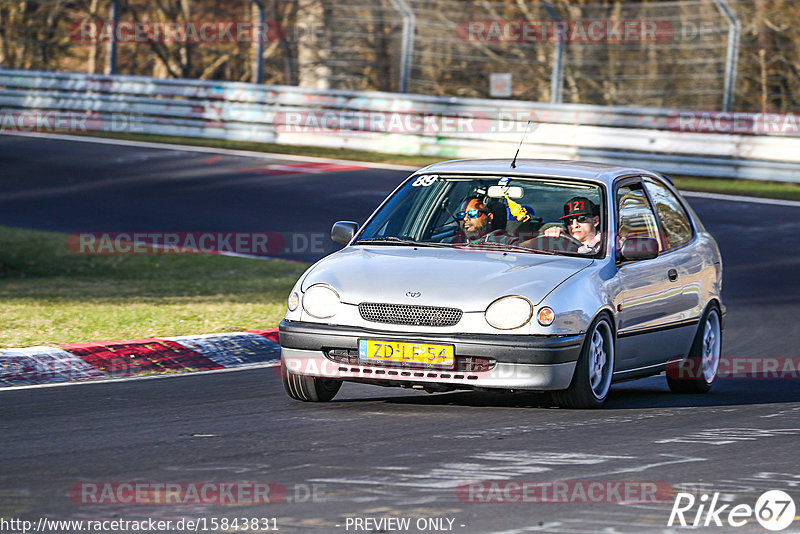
{"x": 582, "y": 219}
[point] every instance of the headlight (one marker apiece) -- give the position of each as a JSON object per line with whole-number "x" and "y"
{"x": 321, "y": 301}
{"x": 507, "y": 313}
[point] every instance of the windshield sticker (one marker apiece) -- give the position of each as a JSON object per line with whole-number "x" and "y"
{"x": 425, "y": 180}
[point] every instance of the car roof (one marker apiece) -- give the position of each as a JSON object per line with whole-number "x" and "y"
{"x": 601, "y": 172}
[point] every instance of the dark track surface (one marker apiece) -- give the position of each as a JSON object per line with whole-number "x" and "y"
{"x": 86, "y": 187}
{"x": 381, "y": 452}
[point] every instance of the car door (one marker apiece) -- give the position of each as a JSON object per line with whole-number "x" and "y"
{"x": 678, "y": 237}
{"x": 650, "y": 300}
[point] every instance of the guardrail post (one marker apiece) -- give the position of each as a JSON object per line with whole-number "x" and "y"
{"x": 557, "y": 71}
{"x": 258, "y": 61}
{"x": 732, "y": 55}
{"x": 111, "y": 66}
{"x": 407, "y": 49}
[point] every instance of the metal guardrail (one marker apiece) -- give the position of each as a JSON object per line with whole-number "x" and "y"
{"x": 395, "y": 123}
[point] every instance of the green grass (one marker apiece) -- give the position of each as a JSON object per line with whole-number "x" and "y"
{"x": 757, "y": 188}
{"x": 51, "y": 296}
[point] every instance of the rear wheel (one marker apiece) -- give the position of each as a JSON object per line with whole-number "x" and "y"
{"x": 592, "y": 378}
{"x": 308, "y": 388}
{"x": 696, "y": 373}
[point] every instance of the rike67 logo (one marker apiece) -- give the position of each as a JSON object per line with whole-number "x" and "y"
{"x": 774, "y": 510}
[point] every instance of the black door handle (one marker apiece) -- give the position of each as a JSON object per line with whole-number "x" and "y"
{"x": 673, "y": 275}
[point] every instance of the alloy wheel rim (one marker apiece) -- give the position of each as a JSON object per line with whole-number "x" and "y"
{"x": 601, "y": 358}
{"x": 711, "y": 347}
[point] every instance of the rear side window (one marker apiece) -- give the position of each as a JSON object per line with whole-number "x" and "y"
{"x": 636, "y": 219}
{"x": 674, "y": 219}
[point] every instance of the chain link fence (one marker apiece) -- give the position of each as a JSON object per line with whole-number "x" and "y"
{"x": 651, "y": 54}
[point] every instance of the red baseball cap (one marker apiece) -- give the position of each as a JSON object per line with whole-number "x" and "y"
{"x": 579, "y": 206}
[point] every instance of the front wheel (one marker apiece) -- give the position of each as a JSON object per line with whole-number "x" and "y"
{"x": 697, "y": 372}
{"x": 592, "y": 378}
{"x": 308, "y": 388}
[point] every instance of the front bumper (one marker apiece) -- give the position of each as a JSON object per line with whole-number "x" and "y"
{"x": 516, "y": 361}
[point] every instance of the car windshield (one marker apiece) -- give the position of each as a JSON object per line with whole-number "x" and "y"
{"x": 544, "y": 215}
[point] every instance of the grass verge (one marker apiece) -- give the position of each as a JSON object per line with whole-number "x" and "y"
{"x": 749, "y": 188}
{"x": 756, "y": 188}
{"x": 51, "y": 296}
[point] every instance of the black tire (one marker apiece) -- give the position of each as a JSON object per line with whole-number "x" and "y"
{"x": 308, "y": 388}
{"x": 696, "y": 372}
{"x": 592, "y": 379}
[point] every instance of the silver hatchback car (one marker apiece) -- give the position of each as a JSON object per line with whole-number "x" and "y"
{"x": 547, "y": 276}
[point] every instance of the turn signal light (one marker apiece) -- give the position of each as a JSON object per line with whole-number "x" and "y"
{"x": 546, "y": 316}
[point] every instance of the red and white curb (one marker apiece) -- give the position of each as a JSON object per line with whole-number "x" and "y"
{"x": 138, "y": 357}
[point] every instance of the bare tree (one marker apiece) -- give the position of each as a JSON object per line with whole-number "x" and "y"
{"x": 314, "y": 49}
{"x": 355, "y": 45}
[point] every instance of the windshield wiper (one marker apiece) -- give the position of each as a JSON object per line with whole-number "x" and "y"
{"x": 392, "y": 240}
{"x": 507, "y": 247}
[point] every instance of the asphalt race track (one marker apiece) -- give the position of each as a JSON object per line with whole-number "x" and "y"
{"x": 372, "y": 452}
{"x": 88, "y": 187}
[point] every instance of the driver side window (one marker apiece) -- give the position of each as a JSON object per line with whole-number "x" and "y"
{"x": 636, "y": 218}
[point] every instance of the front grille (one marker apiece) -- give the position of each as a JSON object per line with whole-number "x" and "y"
{"x": 472, "y": 364}
{"x": 409, "y": 314}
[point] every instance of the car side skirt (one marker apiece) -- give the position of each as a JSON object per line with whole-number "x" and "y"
{"x": 661, "y": 328}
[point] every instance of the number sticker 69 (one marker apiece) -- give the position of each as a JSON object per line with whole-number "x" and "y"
{"x": 425, "y": 180}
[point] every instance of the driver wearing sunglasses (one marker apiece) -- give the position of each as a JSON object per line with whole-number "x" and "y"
{"x": 481, "y": 224}
{"x": 582, "y": 219}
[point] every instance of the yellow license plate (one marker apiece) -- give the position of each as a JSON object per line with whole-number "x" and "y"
{"x": 426, "y": 354}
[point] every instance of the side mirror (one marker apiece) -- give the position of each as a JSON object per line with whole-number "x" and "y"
{"x": 639, "y": 248}
{"x": 342, "y": 232}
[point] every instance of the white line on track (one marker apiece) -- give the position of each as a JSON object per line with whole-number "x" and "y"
{"x": 148, "y": 377}
{"x": 276, "y": 155}
{"x": 212, "y": 150}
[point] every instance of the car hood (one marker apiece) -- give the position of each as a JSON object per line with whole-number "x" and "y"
{"x": 469, "y": 279}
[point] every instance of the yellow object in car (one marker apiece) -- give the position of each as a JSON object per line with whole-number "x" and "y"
{"x": 517, "y": 210}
